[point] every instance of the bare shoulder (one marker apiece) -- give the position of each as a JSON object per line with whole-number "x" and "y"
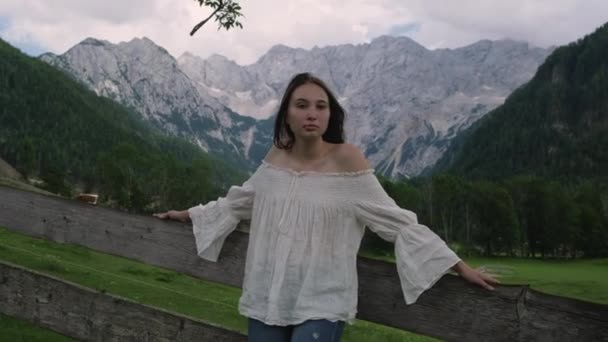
{"x": 349, "y": 158}
{"x": 272, "y": 154}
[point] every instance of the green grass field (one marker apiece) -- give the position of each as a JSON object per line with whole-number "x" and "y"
{"x": 151, "y": 285}
{"x": 14, "y": 330}
{"x": 582, "y": 279}
{"x": 587, "y": 280}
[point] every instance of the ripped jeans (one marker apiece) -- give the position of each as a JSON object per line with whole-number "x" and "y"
{"x": 317, "y": 330}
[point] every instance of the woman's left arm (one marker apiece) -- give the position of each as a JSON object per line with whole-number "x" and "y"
{"x": 421, "y": 256}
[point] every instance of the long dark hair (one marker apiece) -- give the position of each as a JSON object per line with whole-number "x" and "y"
{"x": 283, "y": 135}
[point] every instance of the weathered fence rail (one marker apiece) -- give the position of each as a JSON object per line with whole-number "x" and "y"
{"x": 451, "y": 310}
{"x": 88, "y": 315}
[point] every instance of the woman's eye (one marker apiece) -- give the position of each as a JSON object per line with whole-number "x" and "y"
{"x": 301, "y": 105}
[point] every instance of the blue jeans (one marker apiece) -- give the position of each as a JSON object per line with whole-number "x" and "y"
{"x": 317, "y": 330}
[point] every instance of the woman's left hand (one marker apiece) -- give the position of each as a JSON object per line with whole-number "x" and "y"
{"x": 474, "y": 276}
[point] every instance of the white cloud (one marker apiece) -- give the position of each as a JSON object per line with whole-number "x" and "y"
{"x": 59, "y": 24}
{"x": 540, "y": 22}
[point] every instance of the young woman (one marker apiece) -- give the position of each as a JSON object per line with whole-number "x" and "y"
{"x": 309, "y": 203}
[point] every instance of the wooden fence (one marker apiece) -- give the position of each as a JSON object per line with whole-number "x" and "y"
{"x": 451, "y": 310}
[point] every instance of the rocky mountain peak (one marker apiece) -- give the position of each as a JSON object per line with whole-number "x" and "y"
{"x": 404, "y": 102}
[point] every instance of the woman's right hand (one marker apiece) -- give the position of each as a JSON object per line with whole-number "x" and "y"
{"x": 182, "y": 216}
{"x": 162, "y": 216}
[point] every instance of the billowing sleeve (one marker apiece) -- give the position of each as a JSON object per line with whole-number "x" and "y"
{"x": 422, "y": 257}
{"x": 214, "y": 221}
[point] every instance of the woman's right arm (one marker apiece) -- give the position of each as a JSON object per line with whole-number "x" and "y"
{"x": 176, "y": 215}
{"x": 212, "y": 222}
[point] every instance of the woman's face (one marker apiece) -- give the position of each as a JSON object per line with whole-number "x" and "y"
{"x": 308, "y": 111}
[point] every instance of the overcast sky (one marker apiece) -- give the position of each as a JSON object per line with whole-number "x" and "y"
{"x": 37, "y": 26}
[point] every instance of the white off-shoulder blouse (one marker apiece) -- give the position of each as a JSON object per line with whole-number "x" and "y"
{"x": 305, "y": 232}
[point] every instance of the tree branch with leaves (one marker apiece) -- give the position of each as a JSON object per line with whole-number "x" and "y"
{"x": 225, "y": 12}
